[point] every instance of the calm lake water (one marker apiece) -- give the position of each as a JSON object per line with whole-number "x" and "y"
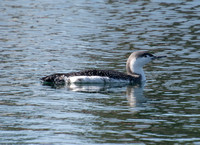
{"x": 42, "y": 37}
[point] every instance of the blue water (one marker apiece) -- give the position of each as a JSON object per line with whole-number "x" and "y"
{"x": 38, "y": 38}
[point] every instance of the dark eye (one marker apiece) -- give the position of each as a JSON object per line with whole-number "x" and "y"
{"x": 145, "y": 56}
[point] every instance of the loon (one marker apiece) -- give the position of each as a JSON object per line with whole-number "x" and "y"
{"x": 134, "y": 68}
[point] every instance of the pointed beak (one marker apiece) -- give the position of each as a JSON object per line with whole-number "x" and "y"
{"x": 158, "y": 57}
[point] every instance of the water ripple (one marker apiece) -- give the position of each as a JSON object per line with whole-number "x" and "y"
{"x": 43, "y": 37}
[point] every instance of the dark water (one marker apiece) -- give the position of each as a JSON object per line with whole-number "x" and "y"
{"x": 46, "y": 36}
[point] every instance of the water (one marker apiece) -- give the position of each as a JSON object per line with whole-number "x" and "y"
{"x": 44, "y": 37}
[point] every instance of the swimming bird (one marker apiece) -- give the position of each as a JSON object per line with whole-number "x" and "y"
{"x": 134, "y": 74}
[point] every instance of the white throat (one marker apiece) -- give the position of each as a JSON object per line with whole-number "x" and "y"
{"x": 137, "y": 68}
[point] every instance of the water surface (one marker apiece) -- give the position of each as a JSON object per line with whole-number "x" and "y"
{"x": 44, "y": 37}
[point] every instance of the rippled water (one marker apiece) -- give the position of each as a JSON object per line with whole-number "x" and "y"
{"x": 44, "y": 37}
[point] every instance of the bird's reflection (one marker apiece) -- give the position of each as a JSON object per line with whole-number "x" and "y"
{"x": 134, "y": 93}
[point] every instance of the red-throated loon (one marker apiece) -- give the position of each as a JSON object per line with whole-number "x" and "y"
{"x": 134, "y": 68}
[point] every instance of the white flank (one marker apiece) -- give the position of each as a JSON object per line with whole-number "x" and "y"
{"x": 93, "y": 80}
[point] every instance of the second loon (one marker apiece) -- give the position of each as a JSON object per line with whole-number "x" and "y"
{"x": 134, "y": 68}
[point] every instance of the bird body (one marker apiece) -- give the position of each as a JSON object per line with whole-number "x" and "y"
{"x": 134, "y": 68}
{"x": 92, "y": 76}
